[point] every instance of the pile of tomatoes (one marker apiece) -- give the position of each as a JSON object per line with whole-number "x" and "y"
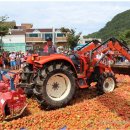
{"x": 88, "y": 110}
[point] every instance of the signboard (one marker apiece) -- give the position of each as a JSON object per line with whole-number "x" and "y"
{"x": 14, "y": 47}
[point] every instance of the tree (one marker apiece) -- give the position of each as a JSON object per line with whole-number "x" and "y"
{"x": 72, "y": 37}
{"x": 125, "y": 36}
{"x": 3, "y": 29}
{"x": 113, "y": 28}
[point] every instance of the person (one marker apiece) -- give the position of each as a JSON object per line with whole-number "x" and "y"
{"x": 49, "y": 47}
{"x": 28, "y": 53}
{"x": 6, "y": 62}
{"x": 22, "y": 60}
{"x": 18, "y": 61}
{"x": 1, "y": 62}
{"x": 12, "y": 57}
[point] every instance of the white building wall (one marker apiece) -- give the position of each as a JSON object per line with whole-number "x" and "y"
{"x": 84, "y": 40}
{"x": 14, "y": 39}
{"x": 14, "y": 43}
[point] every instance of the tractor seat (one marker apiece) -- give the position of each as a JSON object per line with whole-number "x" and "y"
{"x": 76, "y": 60}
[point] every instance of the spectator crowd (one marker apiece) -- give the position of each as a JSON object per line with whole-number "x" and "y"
{"x": 13, "y": 60}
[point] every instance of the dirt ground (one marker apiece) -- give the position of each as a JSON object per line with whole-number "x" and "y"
{"x": 87, "y": 111}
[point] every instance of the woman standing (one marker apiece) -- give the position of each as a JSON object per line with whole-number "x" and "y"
{"x": 18, "y": 61}
{"x": 6, "y": 62}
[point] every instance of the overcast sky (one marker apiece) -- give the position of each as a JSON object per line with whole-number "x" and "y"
{"x": 85, "y": 16}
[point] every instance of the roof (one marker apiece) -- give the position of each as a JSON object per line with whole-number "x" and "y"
{"x": 20, "y": 27}
{"x": 17, "y": 32}
{"x": 40, "y": 30}
{"x": 24, "y": 24}
{"x": 34, "y": 39}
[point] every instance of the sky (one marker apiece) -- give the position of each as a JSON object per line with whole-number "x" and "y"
{"x": 83, "y": 16}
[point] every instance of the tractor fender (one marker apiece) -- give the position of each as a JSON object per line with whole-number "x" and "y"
{"x": 29, "y": 60}
{"x": 55, "y": 57}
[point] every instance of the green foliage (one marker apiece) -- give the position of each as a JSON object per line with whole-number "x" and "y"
{"x": 72, "y": 37}
{"x": 3, "y": 18}
{"x": 125, "y": 36}
{"x": 113, "y": 28}
{"x": 3, "y": 27}
{"x": 64, "y": 30}
{"x": 3, "y": 30}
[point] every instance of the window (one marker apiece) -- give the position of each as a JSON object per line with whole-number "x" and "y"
{"x": 27, "y": 35}
{"x": 39, "y": 34}
{"x": 48, "y": 35}
{"x": 33, "y": 35}
{"x": 60, "y": 34}
{"x": 43, "y": 36}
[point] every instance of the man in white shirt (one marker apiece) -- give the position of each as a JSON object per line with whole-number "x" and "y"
{"x": 12, "y": 57}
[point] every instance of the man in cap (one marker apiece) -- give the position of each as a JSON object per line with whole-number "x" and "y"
{"x": 49, "y": 47}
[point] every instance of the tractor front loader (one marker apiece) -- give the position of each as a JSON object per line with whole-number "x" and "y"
{"x": 56, "y": 77}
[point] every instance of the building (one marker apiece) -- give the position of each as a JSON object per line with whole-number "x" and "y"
{"x": 60, "y": 38}
{"x": 84, "y": 40}
{"x": 35, "y": 38}
{"x": 26, "y": 26}
{"x": 25, "y": 37}
{"x": 14, "y": 41}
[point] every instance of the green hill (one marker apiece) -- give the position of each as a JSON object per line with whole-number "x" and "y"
{"x": 119, "y": 24}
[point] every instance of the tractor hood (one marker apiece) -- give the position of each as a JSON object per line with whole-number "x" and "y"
{"x": 53, "y": 57}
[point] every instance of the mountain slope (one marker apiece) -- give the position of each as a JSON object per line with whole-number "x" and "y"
{"x": 117, "y": 25}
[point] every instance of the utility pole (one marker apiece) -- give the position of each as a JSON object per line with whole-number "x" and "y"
{"x": 53, "y": 35}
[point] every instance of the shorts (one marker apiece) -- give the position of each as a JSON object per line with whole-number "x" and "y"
{"x": 18, "y": 62}
{"x": 12, "y": 63}
{"x": 6, "y": 62}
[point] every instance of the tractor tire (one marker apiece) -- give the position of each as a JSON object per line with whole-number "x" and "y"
{"x": 106, "y": 83}
{"x": 25, "y": 78}
{"x": 57, "y": 87}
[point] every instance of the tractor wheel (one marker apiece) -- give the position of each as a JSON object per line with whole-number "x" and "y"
{"x": 57, "y": 86}
{"x": 25, "y": 77}
{"x": 106, "y": 83}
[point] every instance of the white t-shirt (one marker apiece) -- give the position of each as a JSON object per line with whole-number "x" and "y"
{"x": 12, "y": 57}
{"x": 22, "y": 59}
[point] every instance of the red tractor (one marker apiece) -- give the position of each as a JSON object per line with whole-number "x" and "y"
{"x": 54, "y": 78}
